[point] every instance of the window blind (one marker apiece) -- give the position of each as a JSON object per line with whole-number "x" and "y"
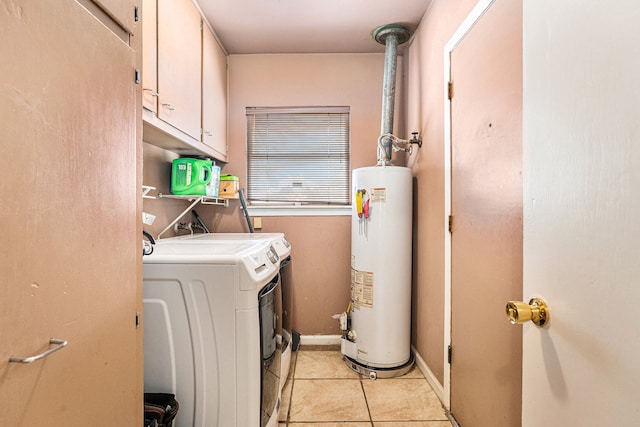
{"x": 298, "y": 156}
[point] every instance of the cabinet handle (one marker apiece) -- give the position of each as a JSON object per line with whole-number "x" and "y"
{"x": 169, "y": 107}
{"x": 208, "y": 133}
{"x": 153, "y": 92}
{"x": 60, "y": 345}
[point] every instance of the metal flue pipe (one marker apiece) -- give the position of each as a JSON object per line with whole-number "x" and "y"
{"x": 391, "y": 36}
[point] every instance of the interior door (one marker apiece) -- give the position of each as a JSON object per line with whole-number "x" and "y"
{"x": 486, "y": 206}
{"x": 68, "y": 220}
{"x": 582, "y": 213}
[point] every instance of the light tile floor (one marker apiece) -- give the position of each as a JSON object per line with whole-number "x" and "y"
{"x": 322, "y": 392}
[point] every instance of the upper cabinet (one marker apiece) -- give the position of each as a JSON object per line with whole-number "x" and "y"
{"x": 184, "y": 79}
{"x": 214, "y": 94}
{"x": 150, "y": 55}
{"x": 179, "y": 59}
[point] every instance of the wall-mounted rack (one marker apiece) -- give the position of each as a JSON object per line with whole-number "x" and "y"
{"x": 205, "y": 200}
{"x": 146, "y": 189}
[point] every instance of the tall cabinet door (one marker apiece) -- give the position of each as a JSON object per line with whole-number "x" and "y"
{"x": 68, "y": 221}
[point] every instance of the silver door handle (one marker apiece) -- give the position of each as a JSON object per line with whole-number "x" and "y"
{"x": 169, "y": 107}
{"x": 60, "y": 345}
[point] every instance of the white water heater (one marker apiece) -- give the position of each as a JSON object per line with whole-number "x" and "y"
{"x": 377, "y": 328}
{"x": 378, "y": 339}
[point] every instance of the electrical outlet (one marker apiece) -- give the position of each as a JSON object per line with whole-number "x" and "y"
{"x": 147, "y": 218}
{"x": 257, "y": 223}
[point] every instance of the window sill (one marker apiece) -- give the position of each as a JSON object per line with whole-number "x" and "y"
{"x": 299, "y": 210}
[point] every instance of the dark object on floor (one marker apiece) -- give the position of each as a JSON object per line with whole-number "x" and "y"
{"x": 295, "y": 340}
{"x": 160, "y": 409}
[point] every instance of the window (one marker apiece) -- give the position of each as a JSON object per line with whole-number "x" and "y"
{"x": 298, "y": 156}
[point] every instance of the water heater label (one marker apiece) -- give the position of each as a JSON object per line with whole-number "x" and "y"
{"x": 379, "y": 195}
{"x": 361, "y": 288}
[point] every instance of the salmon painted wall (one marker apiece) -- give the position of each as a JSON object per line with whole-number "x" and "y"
{"x": 157, "y": 173}
{"x": 424, "y": 111}
{"x": 321, "y": 246}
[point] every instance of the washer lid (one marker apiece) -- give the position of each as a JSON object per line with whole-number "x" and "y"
{"x": 278, "y": 240}
{"x": 227, "y": 237}
{"x": 168, "y": 250}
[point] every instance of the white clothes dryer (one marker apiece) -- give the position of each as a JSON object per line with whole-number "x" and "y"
{"x": 284, "y": 299}
{"x": 210, "y": 330}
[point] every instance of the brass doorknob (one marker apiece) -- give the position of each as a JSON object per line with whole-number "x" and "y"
{"x": 536, "y": 311}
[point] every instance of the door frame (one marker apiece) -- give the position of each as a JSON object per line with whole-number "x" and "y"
{"x": 469, "y": 22}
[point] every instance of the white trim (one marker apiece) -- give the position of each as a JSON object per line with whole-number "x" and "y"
{"x": 480, "y": 8}
{"x": 429, "y": 375}
{"x": 446, "y": 401}
{"x": 293, "y": 110}
{"x": 319, "y": 339}
{"x": 299, "y": 210}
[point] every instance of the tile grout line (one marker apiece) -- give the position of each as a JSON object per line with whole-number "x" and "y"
{"x": 287, "y": 419}
{"x": 366, "y": 401}
{"x": 293, "y": 381}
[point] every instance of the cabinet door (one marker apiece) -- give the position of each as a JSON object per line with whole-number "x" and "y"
{"x": 150, "y": 55}
{"x": 68, "y": 220}
{"x": 214, "y": 94}
{"x": 179, "y": 65}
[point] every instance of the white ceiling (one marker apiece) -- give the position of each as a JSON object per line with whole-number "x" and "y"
{"x": 307, "y": 26}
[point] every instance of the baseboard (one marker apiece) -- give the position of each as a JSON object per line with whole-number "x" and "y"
{"x": 429, "y": 375}
{"x": 319, "y": 339}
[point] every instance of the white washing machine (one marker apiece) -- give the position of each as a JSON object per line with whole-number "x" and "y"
{"x": 283, "y": 249}
{"x": 210, "y": 330}
{"x": 278, "y": 240}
